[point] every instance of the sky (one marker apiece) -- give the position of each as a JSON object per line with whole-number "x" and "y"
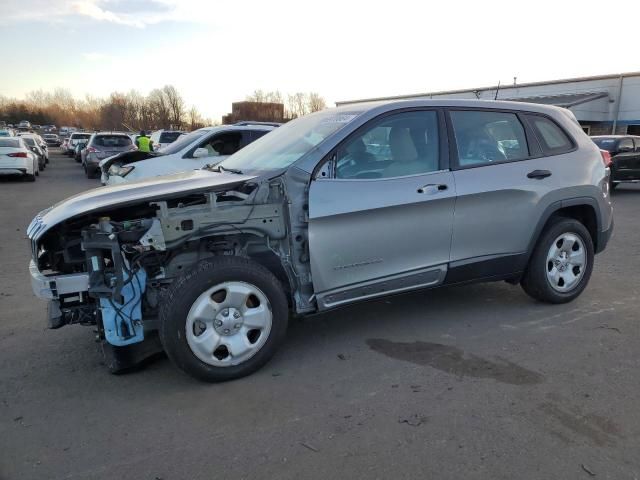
{"x": 216, "y": 52}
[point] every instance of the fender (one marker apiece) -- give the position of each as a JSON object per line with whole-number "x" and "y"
{"x": 555, "y": 207}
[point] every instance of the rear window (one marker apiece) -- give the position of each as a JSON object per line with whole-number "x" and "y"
{"x": 10, "y": 142}
{"x": 29, "y": 141}
{"x": 169, "y": 137}
{"x": 607, "y": 144}
{"x": 78, "y": 136}
{"x": 112, "y": 141}
{"x": 551, "y": 136}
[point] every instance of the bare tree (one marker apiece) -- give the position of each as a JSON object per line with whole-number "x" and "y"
{"x": 175, "y": 104}
{"x": 315, "y": 102}
{"x": 261, "y": 96}
{"x": 160, "y": 110}
{"x": 297, "y": 105}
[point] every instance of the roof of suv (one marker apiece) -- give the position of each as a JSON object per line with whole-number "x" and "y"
{"x": 615, "y": 136}
{"x": 252, "y": 126}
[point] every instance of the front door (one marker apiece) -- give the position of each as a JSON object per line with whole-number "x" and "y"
{"x": 380, "y": 220}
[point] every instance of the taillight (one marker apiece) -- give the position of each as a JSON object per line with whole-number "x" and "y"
{"x": 606, "y": 158}
{"x": 18, "y": 154}
{"x": 92, "y": 150}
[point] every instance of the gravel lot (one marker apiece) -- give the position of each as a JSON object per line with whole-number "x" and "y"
{"x": 460, "y": 383}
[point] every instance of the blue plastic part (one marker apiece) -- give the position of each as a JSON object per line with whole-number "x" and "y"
{"x": 123, "y": 324}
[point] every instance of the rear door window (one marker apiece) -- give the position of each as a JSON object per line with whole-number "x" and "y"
{"x": 487, "y": 137}
{"x": 551, "y": 137}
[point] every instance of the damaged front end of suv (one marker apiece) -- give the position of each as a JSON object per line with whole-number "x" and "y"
{"x": 107, "y": 257}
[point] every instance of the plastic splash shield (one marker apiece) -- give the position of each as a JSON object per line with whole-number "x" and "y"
{"x": 123, "y": 322}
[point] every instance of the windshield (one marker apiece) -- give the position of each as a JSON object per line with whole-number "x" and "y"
{"x": 607, "y": 144}
{"x": 182, "y": 142}
{"x": 29, "y": 141}
{"x": 288, "y": 143}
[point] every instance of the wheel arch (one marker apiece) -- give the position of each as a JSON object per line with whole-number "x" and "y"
{"x": 583, "y": 209}
{"x": 256, "y": 248}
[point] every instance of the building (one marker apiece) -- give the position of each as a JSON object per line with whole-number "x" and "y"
{"x": 603, "y": 104}
{"x": 255, "y": 111}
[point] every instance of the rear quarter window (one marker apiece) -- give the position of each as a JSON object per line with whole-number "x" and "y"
{"x": 552, "y": 138}
{"x": 169, "y": 137}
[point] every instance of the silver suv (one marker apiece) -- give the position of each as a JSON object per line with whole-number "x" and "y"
{"x": 337, "y": 207}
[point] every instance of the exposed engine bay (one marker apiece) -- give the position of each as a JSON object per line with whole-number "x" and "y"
{"x": 127, "y": 255}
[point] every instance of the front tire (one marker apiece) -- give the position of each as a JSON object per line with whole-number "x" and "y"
{"x": 224, "y": 319}
{"x": 561, "y": 263}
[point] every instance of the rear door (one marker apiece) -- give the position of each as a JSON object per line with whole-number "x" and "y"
{"x": 381, "y": 210}
{"x": 626, "y": 160}
{"x": 501, "y": 173}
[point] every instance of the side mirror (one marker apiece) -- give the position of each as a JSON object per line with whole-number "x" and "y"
{"x": 200, "y": 153}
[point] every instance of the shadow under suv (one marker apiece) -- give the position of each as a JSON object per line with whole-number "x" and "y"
{"x": 340, "y": 206}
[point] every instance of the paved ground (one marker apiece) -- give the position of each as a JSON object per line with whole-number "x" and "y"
{"x": 462, "y": 383}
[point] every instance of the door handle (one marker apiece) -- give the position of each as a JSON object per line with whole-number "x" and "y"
{"x": 432, "y": 188}
{"x": 539, "y": 174}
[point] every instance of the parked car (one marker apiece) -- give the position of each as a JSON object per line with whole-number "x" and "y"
{"x": 16, "y": 158}
{"x": 6, "y": 132}
{"x": 40, "y": 142}
{"x": 162, "y": 138}
{"x": 80, "y": 146}
{"x": 625, "y": 157}
{"x": 32, "y": 143}
{"x": 74, "y": 138}
{"x": 206, "y": 146}
{"x": 102, "y": 145}
{"x": 308, "y": 219}
{"x": 52, "y": 139}
{"x": 24, "y": 124}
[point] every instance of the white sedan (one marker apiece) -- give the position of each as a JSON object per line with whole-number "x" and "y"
{"x": 206, "y": 146}
{"x": 17, "y": 159}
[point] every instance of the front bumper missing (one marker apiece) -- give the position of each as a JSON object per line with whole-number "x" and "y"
{"x": 50, "y": 287}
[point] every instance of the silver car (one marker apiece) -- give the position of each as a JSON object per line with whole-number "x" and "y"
{"x": 103, "y": 145}
{"x": 337, "y": 207}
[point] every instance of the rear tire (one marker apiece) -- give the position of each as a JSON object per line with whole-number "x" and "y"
{"x": 30, "y": 178}
{"x": 91, "y": 173}
{"x": 560, "y": 277}
{"x": 198, "y": 305}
